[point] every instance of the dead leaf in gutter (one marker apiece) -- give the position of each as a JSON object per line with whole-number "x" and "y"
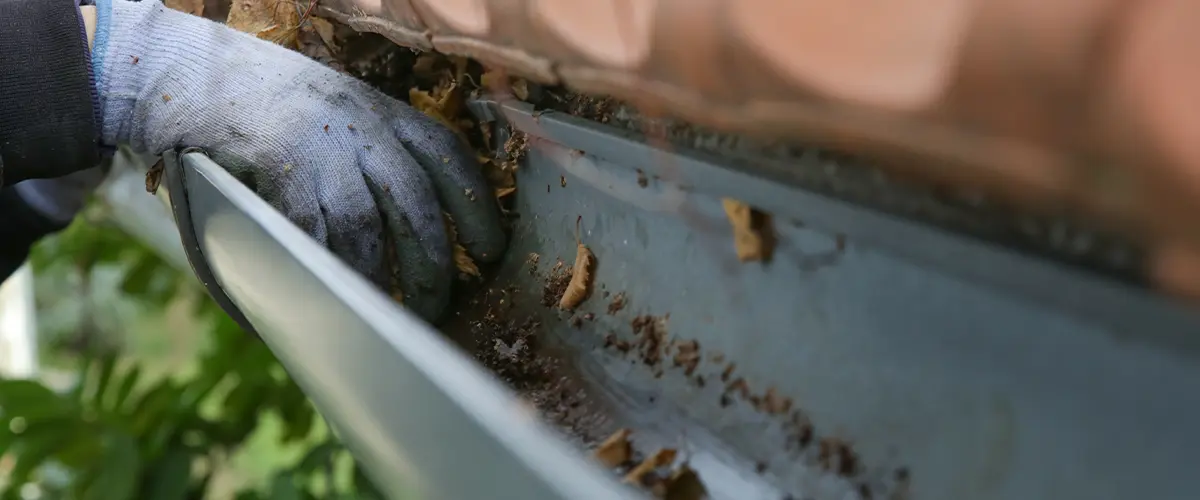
{"x": 193, "y": 7}
{"x": 275, "y": 21}
{"x": 325, "y": 30}
{"x": 520, "y": 89}
{"x": 462, "y": 261}
{"x": 685, "y": 484}
{"x": 615, "y": 450}
{"x": 753, "y": 238}
{"x": 581, "y": 274}
{"x": 502, "y": 192}
{"x": 645, "y": 473}
{"x": 661, "y": 458}
{"x": 440, "y": 108}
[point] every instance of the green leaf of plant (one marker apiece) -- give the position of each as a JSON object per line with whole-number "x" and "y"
{"x": 18, "y": 394}
{"x": 284, "y": 488}
{"x": 108, "y": 363}
{"x": 363, "y": 486}
{"x": 202, "y": 385}
{"x": 138, "y": 278}
{"x": 297, "y": 414}
{"x": 317, "y": 457}
{"x": 154, "y": 405}
{"x": 32, "y": 448}
{"x": 171, "y": 476}
{"x": 125, "y": 388}
{"x": 81, "y": 385}
{"x": 120, "y": 471}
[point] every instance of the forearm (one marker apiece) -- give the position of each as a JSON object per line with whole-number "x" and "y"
{"x": 88, "y": 12}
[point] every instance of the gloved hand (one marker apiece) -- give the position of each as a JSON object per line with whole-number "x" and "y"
{"x": 341, "y": 160}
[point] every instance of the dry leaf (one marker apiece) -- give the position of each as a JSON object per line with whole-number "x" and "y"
{"x": 581, "y": 274}
{"x": 193, "y": 7}
{"x": 752, "y": 236}
{"x": 685, "y": 484}
{"x": 276, "y": 21}
{"x": 439, "y": 108}
{"x": 520, "y": 89}
{"x": 325, "y": 30}
{"x": 462, "y": 261}
{"x": 502, "y": 192}
{"x": 615, "y": 450}
{"x": 154, "y": 176}
{"x": 661, "y": 458}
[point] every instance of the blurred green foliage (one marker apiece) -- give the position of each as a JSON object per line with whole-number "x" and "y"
{"x": 123, "y": 431}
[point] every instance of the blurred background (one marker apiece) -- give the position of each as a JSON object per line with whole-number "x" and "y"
{"x": 124, "y": 380}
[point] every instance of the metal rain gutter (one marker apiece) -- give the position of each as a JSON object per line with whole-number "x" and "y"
{"x": 425, "y": 421}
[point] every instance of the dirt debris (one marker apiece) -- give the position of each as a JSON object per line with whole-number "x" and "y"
{"x": 509, "y": 346}
{"x": 651, "y": 335}
{"x": 687, "y": 355}
{"x": 617, "y": 303}
{"x": 611, "y": 340}
{"x": 594, "y": 108}
{"x": 775, "y": 404}
{"x": 556, "y": 285}
{"x": 516, "y": 146}
{"x": 728, "y": 371}
{"x": 837, "y": 456}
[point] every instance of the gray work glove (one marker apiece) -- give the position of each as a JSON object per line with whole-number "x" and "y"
{"x": 341, "y": 160}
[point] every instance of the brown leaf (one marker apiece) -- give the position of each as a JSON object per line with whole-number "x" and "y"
{"x": 753, "y": 238}
{"x": 502, "y": 192}
{"x": 325, "y": 30}
{"x": 193, "y": 7}
{"x": 520, "y": 89}
{"x": 154, "y": 177}
{"x": 276, "y": 21}
{"x": 463, "y": 262}
{"x": 581, "y": 274}
{"x": 439, "y": 108}
{"x": 685, "y": 484}
{"x": 615, "y": 450}
{"x": 661, "y": 458}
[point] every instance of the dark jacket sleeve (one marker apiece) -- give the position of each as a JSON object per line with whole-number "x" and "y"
{"x": 48, "y": 111}
{"x": 20, "y": 226}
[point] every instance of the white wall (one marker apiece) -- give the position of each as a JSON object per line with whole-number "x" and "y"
{"x": 18, "y": 326}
